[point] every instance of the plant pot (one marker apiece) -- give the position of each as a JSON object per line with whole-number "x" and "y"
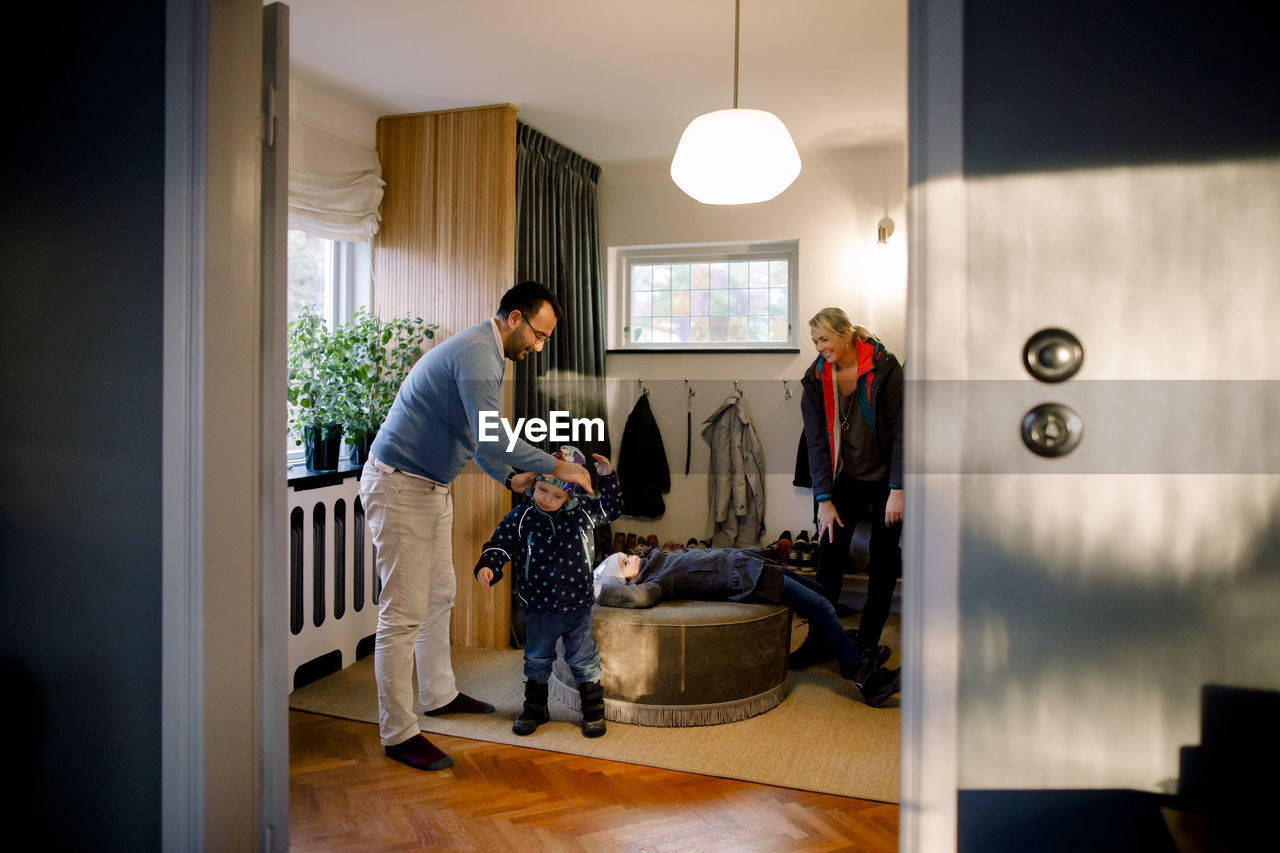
{"x": 321, "y": 443}
{"x": 358, "y": 453}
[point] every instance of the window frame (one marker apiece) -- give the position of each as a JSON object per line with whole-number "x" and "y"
{"x": 626, "y": 257}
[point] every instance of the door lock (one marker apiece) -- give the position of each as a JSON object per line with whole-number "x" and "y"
{"x": 1053, "y": 355}
{"x": 1051, "y": 429}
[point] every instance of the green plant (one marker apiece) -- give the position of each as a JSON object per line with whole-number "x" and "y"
{"x": 380, "y": 353}
{"x": 317, "y": 373}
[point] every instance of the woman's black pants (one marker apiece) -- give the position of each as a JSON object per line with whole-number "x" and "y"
{"x": 856, "y": 500}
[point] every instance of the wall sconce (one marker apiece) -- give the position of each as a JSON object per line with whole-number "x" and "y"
{"x": 884, "y": 230}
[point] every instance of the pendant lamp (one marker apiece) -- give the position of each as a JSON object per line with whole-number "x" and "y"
{"x": 735, "y": 156}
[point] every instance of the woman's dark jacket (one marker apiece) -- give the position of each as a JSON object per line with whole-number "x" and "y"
{"x": 642, "y": 464}
{"x": 879, "y": 395}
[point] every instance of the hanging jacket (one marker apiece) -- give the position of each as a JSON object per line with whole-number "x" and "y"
{"x": 642, "y": 463}
{"x": 735, "y": 481}
{"x": 879, "y": 396}
{"x": 552, "y": 552}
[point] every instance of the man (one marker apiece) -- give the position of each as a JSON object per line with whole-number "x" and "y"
{"x": 744, "y": 574}
{"x": 427, "y": 439}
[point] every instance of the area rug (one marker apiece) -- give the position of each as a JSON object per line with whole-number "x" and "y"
{"x": 820, "y": 738}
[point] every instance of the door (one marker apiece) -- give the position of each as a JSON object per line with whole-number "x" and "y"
{"x": 1096, "y": 170}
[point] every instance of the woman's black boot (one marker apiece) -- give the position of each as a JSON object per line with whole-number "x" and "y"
{"x": 592, "y": 708}
{"x": 535, "y": 708}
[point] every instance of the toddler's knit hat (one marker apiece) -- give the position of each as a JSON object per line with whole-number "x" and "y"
{"x": 566, "y": 453}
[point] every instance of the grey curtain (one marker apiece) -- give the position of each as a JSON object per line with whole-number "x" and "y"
{"x": 558, "y": 244}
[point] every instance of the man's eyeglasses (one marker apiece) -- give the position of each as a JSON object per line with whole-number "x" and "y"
{"x": 538, "y": 337}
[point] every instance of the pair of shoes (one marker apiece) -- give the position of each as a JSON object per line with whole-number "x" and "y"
{"x": 693, "y": 543}
{"x": 592, "y": 708}
{"x": 420, "y": 753}
{"x": 535, "y": 711}
{"x": 462, "y": 704}
{"x": 803, "y": 555}
{"x": 880, "y": 685}
{"x": 808, "y": 654}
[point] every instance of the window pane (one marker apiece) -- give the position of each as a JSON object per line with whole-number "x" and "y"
{"x": 642, "y": 277}
{"x": 662, "y": 276}
{"x": 759, "y": 273}
{"x": 719, "y": 328}
{"x": 737, "y": 328}
{"x": 698, "y": 330}
{"x": 777, "y": 300}
{"x": 778, "y": 329}
{"x": 662, "y": 330}
{"x": 680, "y": 329}
{"x": 699, "y": 302}
{"x": 661, "y": 305}
{"x": 310, "y": 270}
{"x": 641, "y": 304}
{"x": 778, "y": 273}
{"x": 738, "y": 303}
{"x": 699, "y": 275}
{"x": 679, "y": 303}
{"x": 719, "y": 276}
{"x": 679, "y": 276}
{"x": 719, "y": 302}
{"x": 640, "y": 331}
{"x": 759, "y": 300}
{"x": 758, "y": 328}
{"x": 739, "y": 274}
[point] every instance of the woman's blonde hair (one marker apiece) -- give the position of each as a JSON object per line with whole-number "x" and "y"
{"x": 834, "y": 320}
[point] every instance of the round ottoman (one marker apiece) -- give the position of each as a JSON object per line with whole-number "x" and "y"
{"x": 686, "y": 663}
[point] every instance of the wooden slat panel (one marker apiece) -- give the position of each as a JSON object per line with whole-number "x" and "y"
{"x": 445, "y": 252}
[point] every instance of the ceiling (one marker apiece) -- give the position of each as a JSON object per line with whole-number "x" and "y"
{"x": 618, "y": 82}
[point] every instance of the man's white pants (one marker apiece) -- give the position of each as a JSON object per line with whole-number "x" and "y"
{"x": 411, "y": 523}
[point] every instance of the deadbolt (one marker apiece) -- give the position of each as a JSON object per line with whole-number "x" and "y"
{"x": 1051, "y": 429}
{"x": 1053, "y": 355}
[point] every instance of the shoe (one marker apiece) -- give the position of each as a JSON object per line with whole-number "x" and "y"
{"x": 592, "y": 708}
{"x": 881, "y": 685}
{"x": 619, "y": 542}
{"x": 629, "y": 543}
{"x": 653, "y": 540}
{"x": 462, "y": 704}
{"x": 807, "y": 655}
{"x": 784, "y": 547}
{"x": 535, "y": 708}
{"x": 692, "y": 543}
{"x": 419, "y": 753}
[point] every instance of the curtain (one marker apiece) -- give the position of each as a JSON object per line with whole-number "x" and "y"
{"x": 335, "y": 185}
{"x": 558, "y": 244}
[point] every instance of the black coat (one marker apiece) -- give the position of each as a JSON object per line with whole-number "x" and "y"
{"x": 643, "y": 474}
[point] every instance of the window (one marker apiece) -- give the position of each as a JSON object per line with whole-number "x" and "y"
{"x": 330, "y": 275}
{"x": 708, "y": 297}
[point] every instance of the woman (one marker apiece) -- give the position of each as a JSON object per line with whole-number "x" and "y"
{"x": 852, "y": 409}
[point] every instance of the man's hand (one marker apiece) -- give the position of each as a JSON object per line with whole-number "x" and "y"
{"x": 570, "y": 473}
{"x": 485, "y": 576}
{"x": 602, "y": 464}
{"x": 893, "y": 508}
{"x": 828, "y": 518}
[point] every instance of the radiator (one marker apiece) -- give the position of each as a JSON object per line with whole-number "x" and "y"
{"x": 333, "y": 588}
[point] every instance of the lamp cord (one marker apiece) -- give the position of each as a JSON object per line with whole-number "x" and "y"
{"x": 737, "y": 14}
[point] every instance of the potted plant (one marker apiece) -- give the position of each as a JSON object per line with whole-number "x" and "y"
{"x": 317, "y": 380}
{"x": 380, "y": 354}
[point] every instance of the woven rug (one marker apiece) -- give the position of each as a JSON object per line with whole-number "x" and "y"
{"x": 820, "y": 738}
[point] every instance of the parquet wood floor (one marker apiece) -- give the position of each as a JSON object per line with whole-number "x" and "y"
{"x": 344, "y": 794}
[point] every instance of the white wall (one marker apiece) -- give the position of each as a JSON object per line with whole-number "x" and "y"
{"x": 832, "y": 209}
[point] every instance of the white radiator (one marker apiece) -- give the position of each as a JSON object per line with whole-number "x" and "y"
{"x": 333, "y": 587}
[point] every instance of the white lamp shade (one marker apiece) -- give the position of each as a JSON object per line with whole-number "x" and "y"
{"x": 735, "y": 157}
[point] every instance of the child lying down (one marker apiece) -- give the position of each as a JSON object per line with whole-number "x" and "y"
{"x": 745, "y": 574}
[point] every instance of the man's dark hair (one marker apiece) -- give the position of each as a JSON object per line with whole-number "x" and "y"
{"x": 526, "y": 297}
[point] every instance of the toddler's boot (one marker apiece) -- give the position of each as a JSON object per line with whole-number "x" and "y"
{"x": 535, "y": 708}
{"x": 592, "y": 708}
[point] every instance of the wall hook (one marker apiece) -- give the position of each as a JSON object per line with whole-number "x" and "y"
{"x": 643, "y": 390}
{"x": 786, "y": 390}
{"x": 736, "y": 389}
